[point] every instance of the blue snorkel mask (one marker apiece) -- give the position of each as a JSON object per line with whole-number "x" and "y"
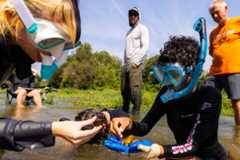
{"x": 169, "y": 74}
{"x": 173, "y": 75}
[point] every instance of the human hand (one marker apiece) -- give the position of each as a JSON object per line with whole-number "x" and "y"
{"x": 72, "y": 130}
{"x": 154, "y": 151}
{"x": 107, "y": 116}
{"x": 119, "y": 125}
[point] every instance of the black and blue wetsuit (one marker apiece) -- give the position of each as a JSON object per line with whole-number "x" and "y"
{"x": 194, "y": 122}
{"x": 17, "y": 135}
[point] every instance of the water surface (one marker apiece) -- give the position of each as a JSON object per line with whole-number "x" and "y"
{"x": 229, "y": 136}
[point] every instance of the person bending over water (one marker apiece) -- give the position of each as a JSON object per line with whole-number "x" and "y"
{"x": 193, "y": 118}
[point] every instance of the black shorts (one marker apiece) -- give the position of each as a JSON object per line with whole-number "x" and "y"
{"x": 229, "y": 82}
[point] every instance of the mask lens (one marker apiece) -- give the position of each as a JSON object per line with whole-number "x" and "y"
{"x": 158, "y": 74}
{"x": 174, "y": 74}
{"x": 168, "y": 75}
{"x": 50, "y": 43}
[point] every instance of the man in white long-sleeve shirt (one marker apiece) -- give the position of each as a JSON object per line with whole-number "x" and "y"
{"x": 137, "y": 43}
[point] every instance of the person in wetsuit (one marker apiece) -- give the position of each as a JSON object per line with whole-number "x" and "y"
{"x": 193, "y": 118}
{"x": 19, "y": 51}
{"x": 20, "y": 48}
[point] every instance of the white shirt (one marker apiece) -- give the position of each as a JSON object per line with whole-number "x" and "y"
{"x": 137, "y": 43}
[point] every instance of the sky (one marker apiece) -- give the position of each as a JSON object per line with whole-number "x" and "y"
{"x": 105, "y": 22}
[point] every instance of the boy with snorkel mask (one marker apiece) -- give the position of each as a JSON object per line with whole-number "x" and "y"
{"x": 192, "y": 111}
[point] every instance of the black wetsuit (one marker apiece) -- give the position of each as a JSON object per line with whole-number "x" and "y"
{"x": 17, "y": 135}
{"x": 193, "y": 121}
{"x": 14, "y": 56}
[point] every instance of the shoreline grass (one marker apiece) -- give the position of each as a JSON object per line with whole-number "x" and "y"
{"x": 111, "y": 98}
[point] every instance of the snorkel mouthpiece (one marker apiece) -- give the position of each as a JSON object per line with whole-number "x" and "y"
{"x": 200, "y": 27}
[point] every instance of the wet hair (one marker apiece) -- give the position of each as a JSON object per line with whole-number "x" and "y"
{"x": 180, "y": 49}
{"x": 101, "y": 120}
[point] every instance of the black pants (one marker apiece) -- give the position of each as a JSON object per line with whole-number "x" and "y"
{"x": 131, "y": 82}
{"x": 214, "y": 152}
{"x": 229, "y": 82}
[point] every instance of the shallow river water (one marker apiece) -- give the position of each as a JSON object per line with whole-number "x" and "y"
{"x": 229, "y": 136}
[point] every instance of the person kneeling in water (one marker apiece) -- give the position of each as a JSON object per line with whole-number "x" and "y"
{"x": 193, "y": 118}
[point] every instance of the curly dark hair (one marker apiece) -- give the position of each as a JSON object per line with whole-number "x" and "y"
{"x": 181, "y": 49}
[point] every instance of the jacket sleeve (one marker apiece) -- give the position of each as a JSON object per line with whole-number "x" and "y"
{"x": 17, "y": 135}
{"x": 156, "y": 112}
{"x": 204, "y": 129}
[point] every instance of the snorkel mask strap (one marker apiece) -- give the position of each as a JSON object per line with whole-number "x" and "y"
{"x": 25, "y": 15}
{"x": 200, "y": 27}
{"x": 78, "y": 26}
{"x": 32, "y": 26}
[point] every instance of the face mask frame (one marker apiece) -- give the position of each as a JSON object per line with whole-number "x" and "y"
{"x": 169, "y": 75}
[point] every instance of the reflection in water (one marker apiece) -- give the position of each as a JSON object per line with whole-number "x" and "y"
{"x": 18, "y": 112}
{"x": 21, "y": 113}
{"x": 234, "y": 149}
{"x": 228, "y": 134}
{"x": 236, "y": 137}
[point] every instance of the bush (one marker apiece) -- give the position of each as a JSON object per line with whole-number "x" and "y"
{"x": 107, "y": 70}
{"x": 87, "y": 70}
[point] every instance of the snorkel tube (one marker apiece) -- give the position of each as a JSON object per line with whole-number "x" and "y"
{"x": 200, "y": 27}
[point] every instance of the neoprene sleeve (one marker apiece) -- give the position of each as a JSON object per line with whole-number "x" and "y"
{"x": 17, "y": 135}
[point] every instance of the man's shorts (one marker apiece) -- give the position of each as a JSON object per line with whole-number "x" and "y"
{"x": 229, "y": 82}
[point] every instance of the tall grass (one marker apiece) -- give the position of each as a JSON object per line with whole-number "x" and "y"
{"x": 111, "y": 98}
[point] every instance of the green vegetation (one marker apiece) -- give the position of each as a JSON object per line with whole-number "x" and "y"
{"x": 94, "y": 79}
{"x": 2, "y": 90}
{"x": 95, "y": 70}
{"x": 106, "y": 98}
{"x": 226, "y": 105}
{"x": 88, "y": 70}
{"x": 111, "y": 98}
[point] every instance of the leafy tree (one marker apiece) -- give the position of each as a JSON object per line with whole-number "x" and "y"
{"x": 107, "y": 70}
{"x": 86, "y": 69}
{"x": 148, "y": 66}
